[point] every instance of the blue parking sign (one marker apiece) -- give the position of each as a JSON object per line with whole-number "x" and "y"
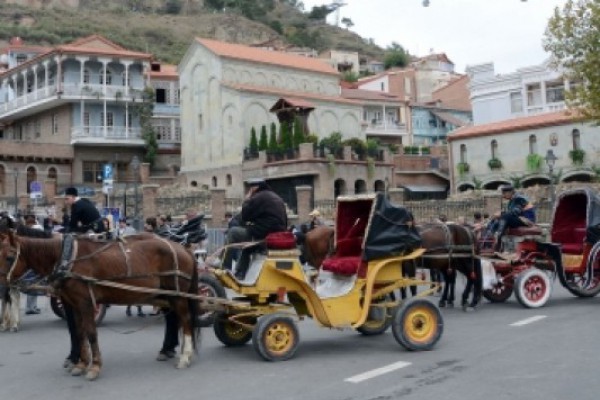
{"x": 107, "y": 172}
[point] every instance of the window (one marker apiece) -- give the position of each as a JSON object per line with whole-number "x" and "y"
{"x": 161, "y": 96}
{"x": 31, "y": 177}
{"x": 108, "y": 76}
{"x": 576, "y": 139}
{"x": 200, "y": 122}
{"x": 92, "y": 171}
{"x": 463, "y": 153}
{"x": 532, "y": 144}
{"x": 86, "y": 76}
{"x": 214, "y": 181}
{"x": 494, "y": 149}
{"x": 54, "y": 124}
{"x": 37, "y": 129}
{"x": 534, "y": 95}
{"x": 516, "y": 102}
{"x": 109, "y": 119}
{"x": 52, "y": 174}
{"x": 21, "y": 58}
{"x": 229, "y": 180}
{"x": 86, "y": 121}
{"x": 177, "y": 96}
{"x": 382, "y": 87}
{"x": 125, "y": 81}
{"x": 555, "y": 92}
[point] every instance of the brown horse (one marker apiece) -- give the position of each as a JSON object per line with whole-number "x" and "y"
{"x": 450, "y": 248}
{"x": 158, "y": 271}
{"x": 318, "y": 244}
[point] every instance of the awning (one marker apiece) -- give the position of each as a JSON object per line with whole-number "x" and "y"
{"x": 426, "y": 188}
{"x": 449, "y": 118}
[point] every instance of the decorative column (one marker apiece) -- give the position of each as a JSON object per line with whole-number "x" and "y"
{"x": 46, "y": 88}
{"x": 104, "y": 128}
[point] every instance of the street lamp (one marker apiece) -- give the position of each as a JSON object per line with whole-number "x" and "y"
{"x": 135, "y": 165}
{"x": 16, "y": 174}
{"x": 550, "y": 161}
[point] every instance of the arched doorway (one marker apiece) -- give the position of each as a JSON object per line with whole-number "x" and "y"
{"x": 339, "y": 187}
{"x": 360, "y": 186}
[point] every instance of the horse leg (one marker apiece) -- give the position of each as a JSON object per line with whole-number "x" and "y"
{"x": 181, "y": 307}
{"x": 14, "y": 317}
{"x": 444, "y": 297}
{"x": 477, "y": 287}
{"x": 451, "y": 285}
{"x": 75, "y": 351}
{"x": 171, "y": 339}
{"x": 92, "y": 338}
{"x": 81, "y": 335}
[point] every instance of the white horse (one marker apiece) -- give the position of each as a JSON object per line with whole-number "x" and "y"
{"x": 10, "y": 301}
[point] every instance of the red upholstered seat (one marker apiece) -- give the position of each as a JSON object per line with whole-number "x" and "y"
{"x": 281, "y": 240}
{"x": 572, "y": 248}
{"x": 524, "y": 231}
{"x": 342, "y": 265}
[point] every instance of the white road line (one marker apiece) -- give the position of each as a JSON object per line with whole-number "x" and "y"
{"x": 376, "y": 372}
{"x": 528, "y": 320}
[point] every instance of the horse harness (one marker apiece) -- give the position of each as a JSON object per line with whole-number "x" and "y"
{"x": 454, "y": 251}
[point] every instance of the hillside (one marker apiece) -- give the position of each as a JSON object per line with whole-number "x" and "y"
{"x": 166, "y": 28}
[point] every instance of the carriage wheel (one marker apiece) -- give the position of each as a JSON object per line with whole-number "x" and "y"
{"x": 275, "y": 337}
{"x": 500, "y": 292}
{"x": 578, "y": 285}
{"x": 533, "y": 288}
{"x": 57, "y": 307}
{"x": 379, "y": 318}
{"x": 418, "y": 325}
{"x": 229, "y": 333}
{"x": 209, "y": 286}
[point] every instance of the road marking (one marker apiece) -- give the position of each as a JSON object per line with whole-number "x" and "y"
{"x": 528, "y": 320}
{"x": 376, "y": 372}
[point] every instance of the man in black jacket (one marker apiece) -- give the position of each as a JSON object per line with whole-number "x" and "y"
{"x": 84, "y": 215}
{"x": 263, "y": 212}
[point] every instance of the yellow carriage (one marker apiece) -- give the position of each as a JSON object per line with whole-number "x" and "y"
{"x": 354, "y": 288}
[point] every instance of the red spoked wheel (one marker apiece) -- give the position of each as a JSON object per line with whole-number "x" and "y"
{"x": 533, "y": 288}
{"x": 501, "y": 290}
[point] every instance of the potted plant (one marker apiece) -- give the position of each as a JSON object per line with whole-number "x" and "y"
{"x": 425, "y": 150}
{"x": 494, "y": 163}
{"x": 534, "y": 162}
{"x": 462, "y": 167}
{"x": 577, "y": 156}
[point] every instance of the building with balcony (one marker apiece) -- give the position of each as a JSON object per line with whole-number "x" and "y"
{"x": 528, "y": 91}
{"x": 513, "y": 151}
{"x": 78, "y": 99}
{"x": 229, "y": 89}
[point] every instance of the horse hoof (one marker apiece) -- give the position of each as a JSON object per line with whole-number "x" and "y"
{"x": 14, "y": 329}
{"x": 182, "y": 364}
{"x": 92, "y": 375}
{"x": 77, "y": 370}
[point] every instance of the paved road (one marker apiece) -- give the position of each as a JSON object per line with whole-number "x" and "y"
{"x": 550, "y": 354}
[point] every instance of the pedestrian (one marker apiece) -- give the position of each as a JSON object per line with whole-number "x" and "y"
{"x": 124, "y": 228}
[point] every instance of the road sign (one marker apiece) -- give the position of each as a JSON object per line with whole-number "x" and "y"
{"x": 107, "y": 172}
{"x": 35, "y": 190}
{"x": 107, "y": 186}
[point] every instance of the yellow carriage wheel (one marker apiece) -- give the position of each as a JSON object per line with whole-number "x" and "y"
{"x": 229, "y": 333}
{"x": 418, "y": 324}
{"x": 275, "y": 337}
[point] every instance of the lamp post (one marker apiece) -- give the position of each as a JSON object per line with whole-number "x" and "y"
{"x": 135, "y": 165}
{"x": 550, "y": 161}
{"x": 16, "y": 175}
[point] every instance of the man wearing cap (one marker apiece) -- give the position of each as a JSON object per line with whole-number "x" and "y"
{"x": 315, "y": 219}
{"x": 84, "y": 215}
{"x": 263, "y": 212}
{"x": 519, "y": 212}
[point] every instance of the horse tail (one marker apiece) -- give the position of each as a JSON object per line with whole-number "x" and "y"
{"x": 193, "y": 306}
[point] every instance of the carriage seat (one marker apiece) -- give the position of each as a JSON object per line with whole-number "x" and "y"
{"x": 280, "y": 241}
{"x": 571, "y": 240}
{"x": 347, "y": 258}
{"x": 525, "y": 231}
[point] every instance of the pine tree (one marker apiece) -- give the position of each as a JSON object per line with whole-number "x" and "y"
{"x": 273, "y": 147}
{"x": 253, "y": 142}
{"x": 298, "y": 133}
{"x": 263, "y": 142}
{"x": 286, "y": 137}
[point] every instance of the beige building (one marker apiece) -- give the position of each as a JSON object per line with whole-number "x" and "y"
{"x": 228, "y": 89}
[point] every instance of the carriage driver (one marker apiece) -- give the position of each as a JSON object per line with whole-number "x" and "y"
{"x": 519, "y": 212}
{"x": 263, "y": 212}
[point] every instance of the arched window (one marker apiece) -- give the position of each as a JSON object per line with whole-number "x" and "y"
{"x": 229, "y": 180}
{"x": 463, "y": 153}
{"x": 532, "y": 144}
{"x": 339, "y": 187}
{"x": 31, "y": 177}
{"x": 86, "y": 76}
{"x": 576, "y": 139}
{"x": 379, "y": 186}
{"x": 494, "y": 149}
{"x": 360, "y": 186}
{"x": 52, "y": 174}
{"x": 214, "y": 181}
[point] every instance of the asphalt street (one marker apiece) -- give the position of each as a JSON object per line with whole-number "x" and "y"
{"x": 500, "y": 351}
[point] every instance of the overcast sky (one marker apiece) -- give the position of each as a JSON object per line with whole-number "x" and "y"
{"x": 507, "y": 32}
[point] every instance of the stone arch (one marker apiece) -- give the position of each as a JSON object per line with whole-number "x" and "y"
{"x": 255, "y": 115}
{"x": 245, "y": 76}
{"x": 291, "y": 84}
{"x": 339, "y": 188}
{"x": 495, "y": 184}
{"x": 350, "y": 125}
{"x": 533, "y": 180}
{"x": 261, "y": 79}
{"x": 229, "y": 75}
{"x": 329, "y": 123}
{"x": 464, "y": 186}
{"x": 379, "y": 186}
{"x": 229, "y": 122}
{"x": 360, "y": 186}
{"x": 578, "y": 176}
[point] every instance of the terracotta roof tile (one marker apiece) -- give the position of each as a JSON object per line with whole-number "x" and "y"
{"x": 514, "y": 125}
{"x": 288, "y": 94}
{"x": 167, "y": 71}
{"x": 361, "y": 94}
{"x": 247, "y": 53}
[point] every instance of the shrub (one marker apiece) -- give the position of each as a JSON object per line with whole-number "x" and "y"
{"x": 577, "y": 156}
{"x": 534, "y": 162}
{"x": 494, "y": 163}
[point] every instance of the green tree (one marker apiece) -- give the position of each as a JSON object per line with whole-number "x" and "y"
{"x": 286, "y": 140}
{"x": 273, "y": 146}
{"x": 263, "y": 142}
{"x": 144, "y": 111}
{"x": 320, "y": 12}
{"x": 347, "y": 22}
{"x": 298, "y": 133}
{"x": 253, "y": 142}
{"x": 350, "y": 76}
{"x": 395, "y": 56}
{"x": 172, "y": 7}
{"x": 573, "y": 40}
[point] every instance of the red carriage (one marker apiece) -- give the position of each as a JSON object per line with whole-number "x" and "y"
{"x": 569, "y": 254}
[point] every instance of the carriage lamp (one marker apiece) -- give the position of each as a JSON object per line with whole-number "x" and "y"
{"x": 550, "y": 161}
{"x": 135, "y": 165}
{"x": 16, "y": 174}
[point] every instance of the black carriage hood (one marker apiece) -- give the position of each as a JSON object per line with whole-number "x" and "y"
{"x": 388, "y": 233}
